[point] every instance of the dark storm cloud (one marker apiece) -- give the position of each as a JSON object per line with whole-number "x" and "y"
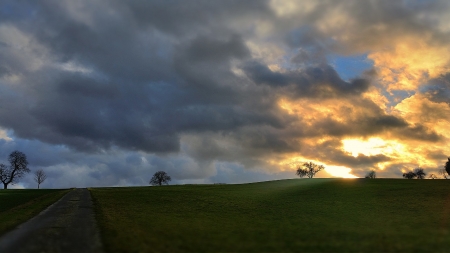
{"x": 134, "y": 40}
{"x": 306, "y": 36}
{"x": 212, "y": 50}
{"x": 7, "y": 147}
{"x": 438, "y": 89}
{"x": 139, "y": 76}
{"x": 82, "y": 86}
{"x": 11, "y": 10}
{"x": 269, "y": 142}
{"x": 178, "y": 18}
{"x": 420, "y": 132}
{"x": 4, "y": 71}
{"x": 321, "y": 81}
{"x": 372, "y": 125}
{"x": 248, "y": 146}
{"x": 302, "y": 56}
{"x": 261, "y": 74}
{"x": 106, "y": 85}
{"x": 143, "y": 88}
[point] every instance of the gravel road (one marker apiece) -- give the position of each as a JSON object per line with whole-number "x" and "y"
{"x": 66, "y": 226}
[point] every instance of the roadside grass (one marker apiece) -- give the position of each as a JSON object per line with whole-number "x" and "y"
{"x": 17, "y": 206}
{"x": 299, "y": 215}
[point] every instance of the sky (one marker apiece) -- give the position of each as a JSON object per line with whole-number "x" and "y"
{"x": 107, "y": 92}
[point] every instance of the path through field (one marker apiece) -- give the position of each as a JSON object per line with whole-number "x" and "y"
{"x": 66, "y": 226}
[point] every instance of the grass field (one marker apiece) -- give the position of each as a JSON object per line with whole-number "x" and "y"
{"x": 300, "y": 215}
{"x": 17, "y": 206}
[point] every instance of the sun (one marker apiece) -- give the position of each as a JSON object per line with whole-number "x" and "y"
{"x": 339, "y": 171}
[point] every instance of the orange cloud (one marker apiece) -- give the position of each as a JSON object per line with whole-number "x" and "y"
{"x": 410, "y": 63}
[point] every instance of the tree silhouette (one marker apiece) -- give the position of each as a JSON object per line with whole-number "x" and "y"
{"x": 432, "y": 176}
{"x": 18, "y": 167}
{"x": 160, "y": 178}
{"x": 372, "y": 174}
{"x": 443, "y": 173}
{"x": 420, "y": 174}
{"x": 409, "y": 175}
{"x": 39, "y": 177}
{"x": 447, "y": 167}
{"x": 4, "y": 174}
{"x": 309, "y": 169}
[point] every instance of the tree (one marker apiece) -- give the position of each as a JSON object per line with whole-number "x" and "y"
{"x": 443, "y": 173}
{"x": 18, "y": 167}
{"x": 420, "y": 174}
{"x": 40, "y": 176}
{"x": 371, "y": 174}
{"x": 3, "y": 173}
{"x": 160, "y": 178}
{"x": 409, "y": 175}
{"x": 432, "y": 176}
{"x": 447, "y": 167}
{"x": 309, "y": 169}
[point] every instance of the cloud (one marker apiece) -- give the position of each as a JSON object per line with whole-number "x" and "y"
{"x": 113, "y": 91}
{"x": 320, "y": 81}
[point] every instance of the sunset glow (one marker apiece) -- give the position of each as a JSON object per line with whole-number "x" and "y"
{"x": 339, "y": 171}
{"x": 228, "y": 92}
{"x": 370, "y": 147}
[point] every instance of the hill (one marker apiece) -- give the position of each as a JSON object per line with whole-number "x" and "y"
{"x": 280, "y": 216}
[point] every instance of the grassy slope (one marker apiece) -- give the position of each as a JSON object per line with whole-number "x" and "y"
{"x": 281, "y": 216}
{"x": 17, "y": 206}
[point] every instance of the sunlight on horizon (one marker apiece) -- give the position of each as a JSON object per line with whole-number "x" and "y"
{"x": 332, "y": 170}
{"x": 339, "y": 171}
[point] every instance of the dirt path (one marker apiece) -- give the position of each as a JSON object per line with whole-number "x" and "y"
{"x": 66, "y": 226}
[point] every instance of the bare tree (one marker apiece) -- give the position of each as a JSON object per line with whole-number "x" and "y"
{"x": 160, "y": 178}
{"x": 3, "y": 174}
{"x": 309, "y": 169}
{"x": 18, "y": 167}
{"x": 432, "y": 176}
{"x": 372, "y": 174}
{"x": 420, "y": 174}
{"x": 443, "y": 173}
{"x": 39, "y": 176}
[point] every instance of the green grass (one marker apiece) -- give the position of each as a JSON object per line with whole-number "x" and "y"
{"x": 17, "y": 206}
{"x": 307, "y": 215}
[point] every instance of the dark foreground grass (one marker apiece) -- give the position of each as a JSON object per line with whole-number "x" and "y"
{"x": 17, "y": 206}
{"x": 307, "y": 215}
